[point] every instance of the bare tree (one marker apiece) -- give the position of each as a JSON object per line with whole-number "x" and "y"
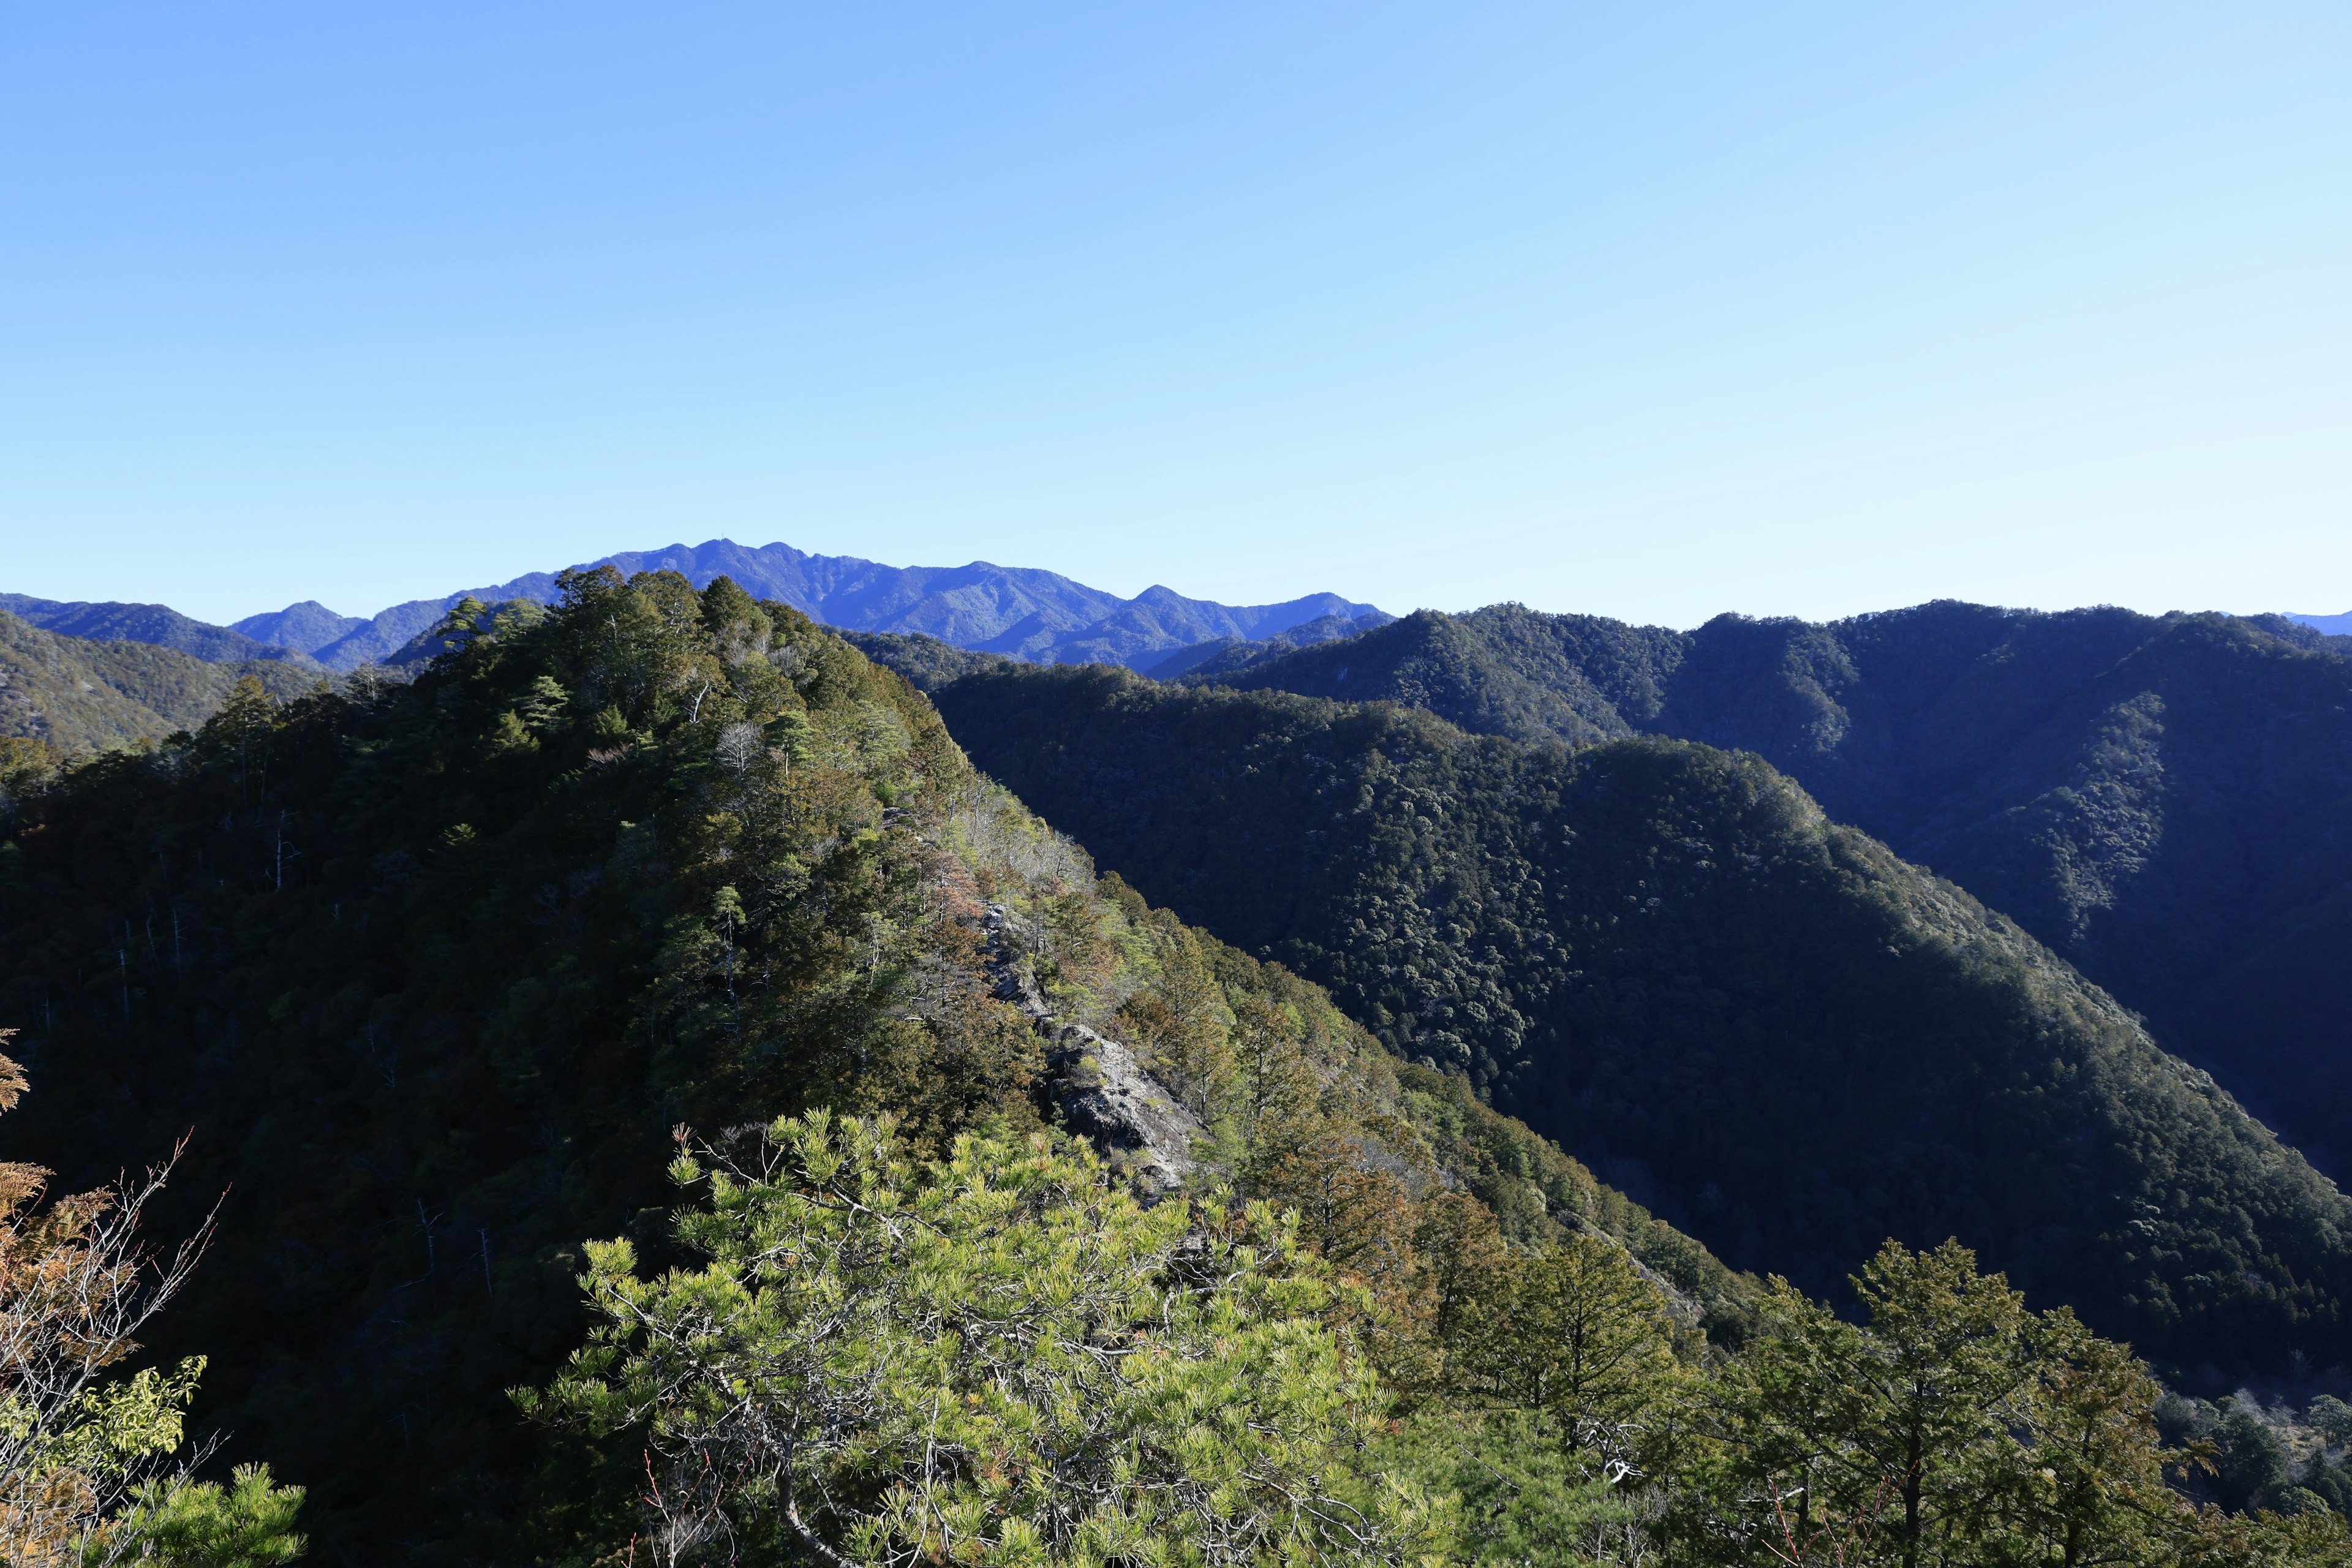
{"x": 76, "y": 1285}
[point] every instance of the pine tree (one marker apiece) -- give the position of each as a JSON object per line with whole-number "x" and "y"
{"x": 1001, "y": 1357}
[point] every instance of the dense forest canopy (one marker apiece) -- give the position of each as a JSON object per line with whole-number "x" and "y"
{"x": 429, "y": 974}
{"x": 2160, "y": 799}
{"x": 1667, "y": 956}
{"x": 82, "y": 694}
{"x": 159, "y": 624}
{"x": 454, "y": 982}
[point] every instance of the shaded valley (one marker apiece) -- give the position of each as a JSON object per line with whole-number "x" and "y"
{"x": 1668, "y": 954}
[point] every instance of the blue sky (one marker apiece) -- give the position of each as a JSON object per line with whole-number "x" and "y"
{"x": 1788, "y": 309}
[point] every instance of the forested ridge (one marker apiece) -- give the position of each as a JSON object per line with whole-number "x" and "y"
{"x": 1657, "y": 951}
{"x": 81, "y": 694}
{"x": 646, "y": 1097}
{"x": 429, "y": 973}
{"x": 158, "y": 624}
{"x": 2160, "y": 799}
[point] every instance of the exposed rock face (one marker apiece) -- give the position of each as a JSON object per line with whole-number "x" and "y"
{"x": 1104, "y": 1091}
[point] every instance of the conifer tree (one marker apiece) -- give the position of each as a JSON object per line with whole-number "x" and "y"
{"x": 1902, "y": 1432}
{"x": 1001, "y": 1357}
{"x": 1575, "y": 1334}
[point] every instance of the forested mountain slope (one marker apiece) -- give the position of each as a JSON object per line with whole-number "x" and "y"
{"x": 926, "y": 661}
{"x": 81, "y": 694}
{"x": 1666, "y": 953}
{"x": 157, "y": 623}
{"x": 429, "y": 973}
{"x": 2166, "y": 801}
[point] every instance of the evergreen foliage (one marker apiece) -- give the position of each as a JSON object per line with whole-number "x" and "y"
{"x": 996, "y": 1357}
{"x": 1000, "y": 1356}
{"x": 76, "y": 694}
{"x": 926, "y": 662}
{"x": 429, "y": 972}
{"x": 2158, "y": 798}
{"x": 247, "y": 1522}
{"x": 1664, "y": 953}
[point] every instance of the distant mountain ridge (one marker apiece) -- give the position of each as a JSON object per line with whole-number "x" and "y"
{"x": 2326, "y": 625}
{"x": 1024, "y": 613}
{"x": 158, "y": 624}
{"x": 1234, "y": 653}
{"x": 86, "y": 694}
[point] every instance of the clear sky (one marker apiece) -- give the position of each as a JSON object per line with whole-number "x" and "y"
{"x": 1653, "y": 312}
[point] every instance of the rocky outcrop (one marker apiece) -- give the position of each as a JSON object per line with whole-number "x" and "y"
{"x": 1104, "y": 1091}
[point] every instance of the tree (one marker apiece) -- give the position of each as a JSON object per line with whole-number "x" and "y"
{"x": 1556, "y": 1362}
{"x": 1360, "y": 1220}
{"x": 999, "y": 1357}
{"x": 242, "y": 729}
{"x": 1180, "y": 1022}
{"x": 2250, "y": 1464}
{"x": 2332, "y": 1418}
{"x": 1884, "y": 1431}
{"x": 1272, "y": 1077}
{"x": 1462, "y": 1261}
{"x": 87, "y": 1465}
{"x": 1578, "y": 1336}
{"x": 249, "y": 1523}
{"x": 2085, "y": 1483}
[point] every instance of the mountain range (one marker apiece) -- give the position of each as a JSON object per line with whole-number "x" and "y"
{"x": 1668, "y": 956}
{"x": 1019, "y": 612}
{"x": 426, "y": 972}
{"x": 158, "y": 626}
{"x": 82, "y": 694}
{"x": 2334, "y": 625}
{"x": 1409, "y": 918}
{"x": 2159, "y": 799}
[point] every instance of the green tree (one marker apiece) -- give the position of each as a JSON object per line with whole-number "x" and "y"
{"x": 249, "y": 1523}
{"x": 2086, "y": 1480}
{"x": 1556, "y": 1362}
{"x": 88, "y": 1456}
{"x": 1883, "y": 1433}
{"x": 1521, "y": 1498}
{"x": 999, "y": 1357}
{"x": 242, "y": 730}
{"x": 1181, "y": 1022}
{"x": 2250, "y": 1463}
{"x": 1578, "y": 1336}
{"x": 1272, "y": 1077}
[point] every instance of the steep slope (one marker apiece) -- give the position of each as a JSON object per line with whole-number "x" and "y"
{"x": 1667, "y": 957}
{"x": 157, "y": 623}
{"x": 926, "y": 662}
{"x": 2163, "y": 800}
{"x": 80, "y": 695}
{"x": 428, "y": 973}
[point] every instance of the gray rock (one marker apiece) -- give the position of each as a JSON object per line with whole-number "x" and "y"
{"x": 1104, "y": 1090}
